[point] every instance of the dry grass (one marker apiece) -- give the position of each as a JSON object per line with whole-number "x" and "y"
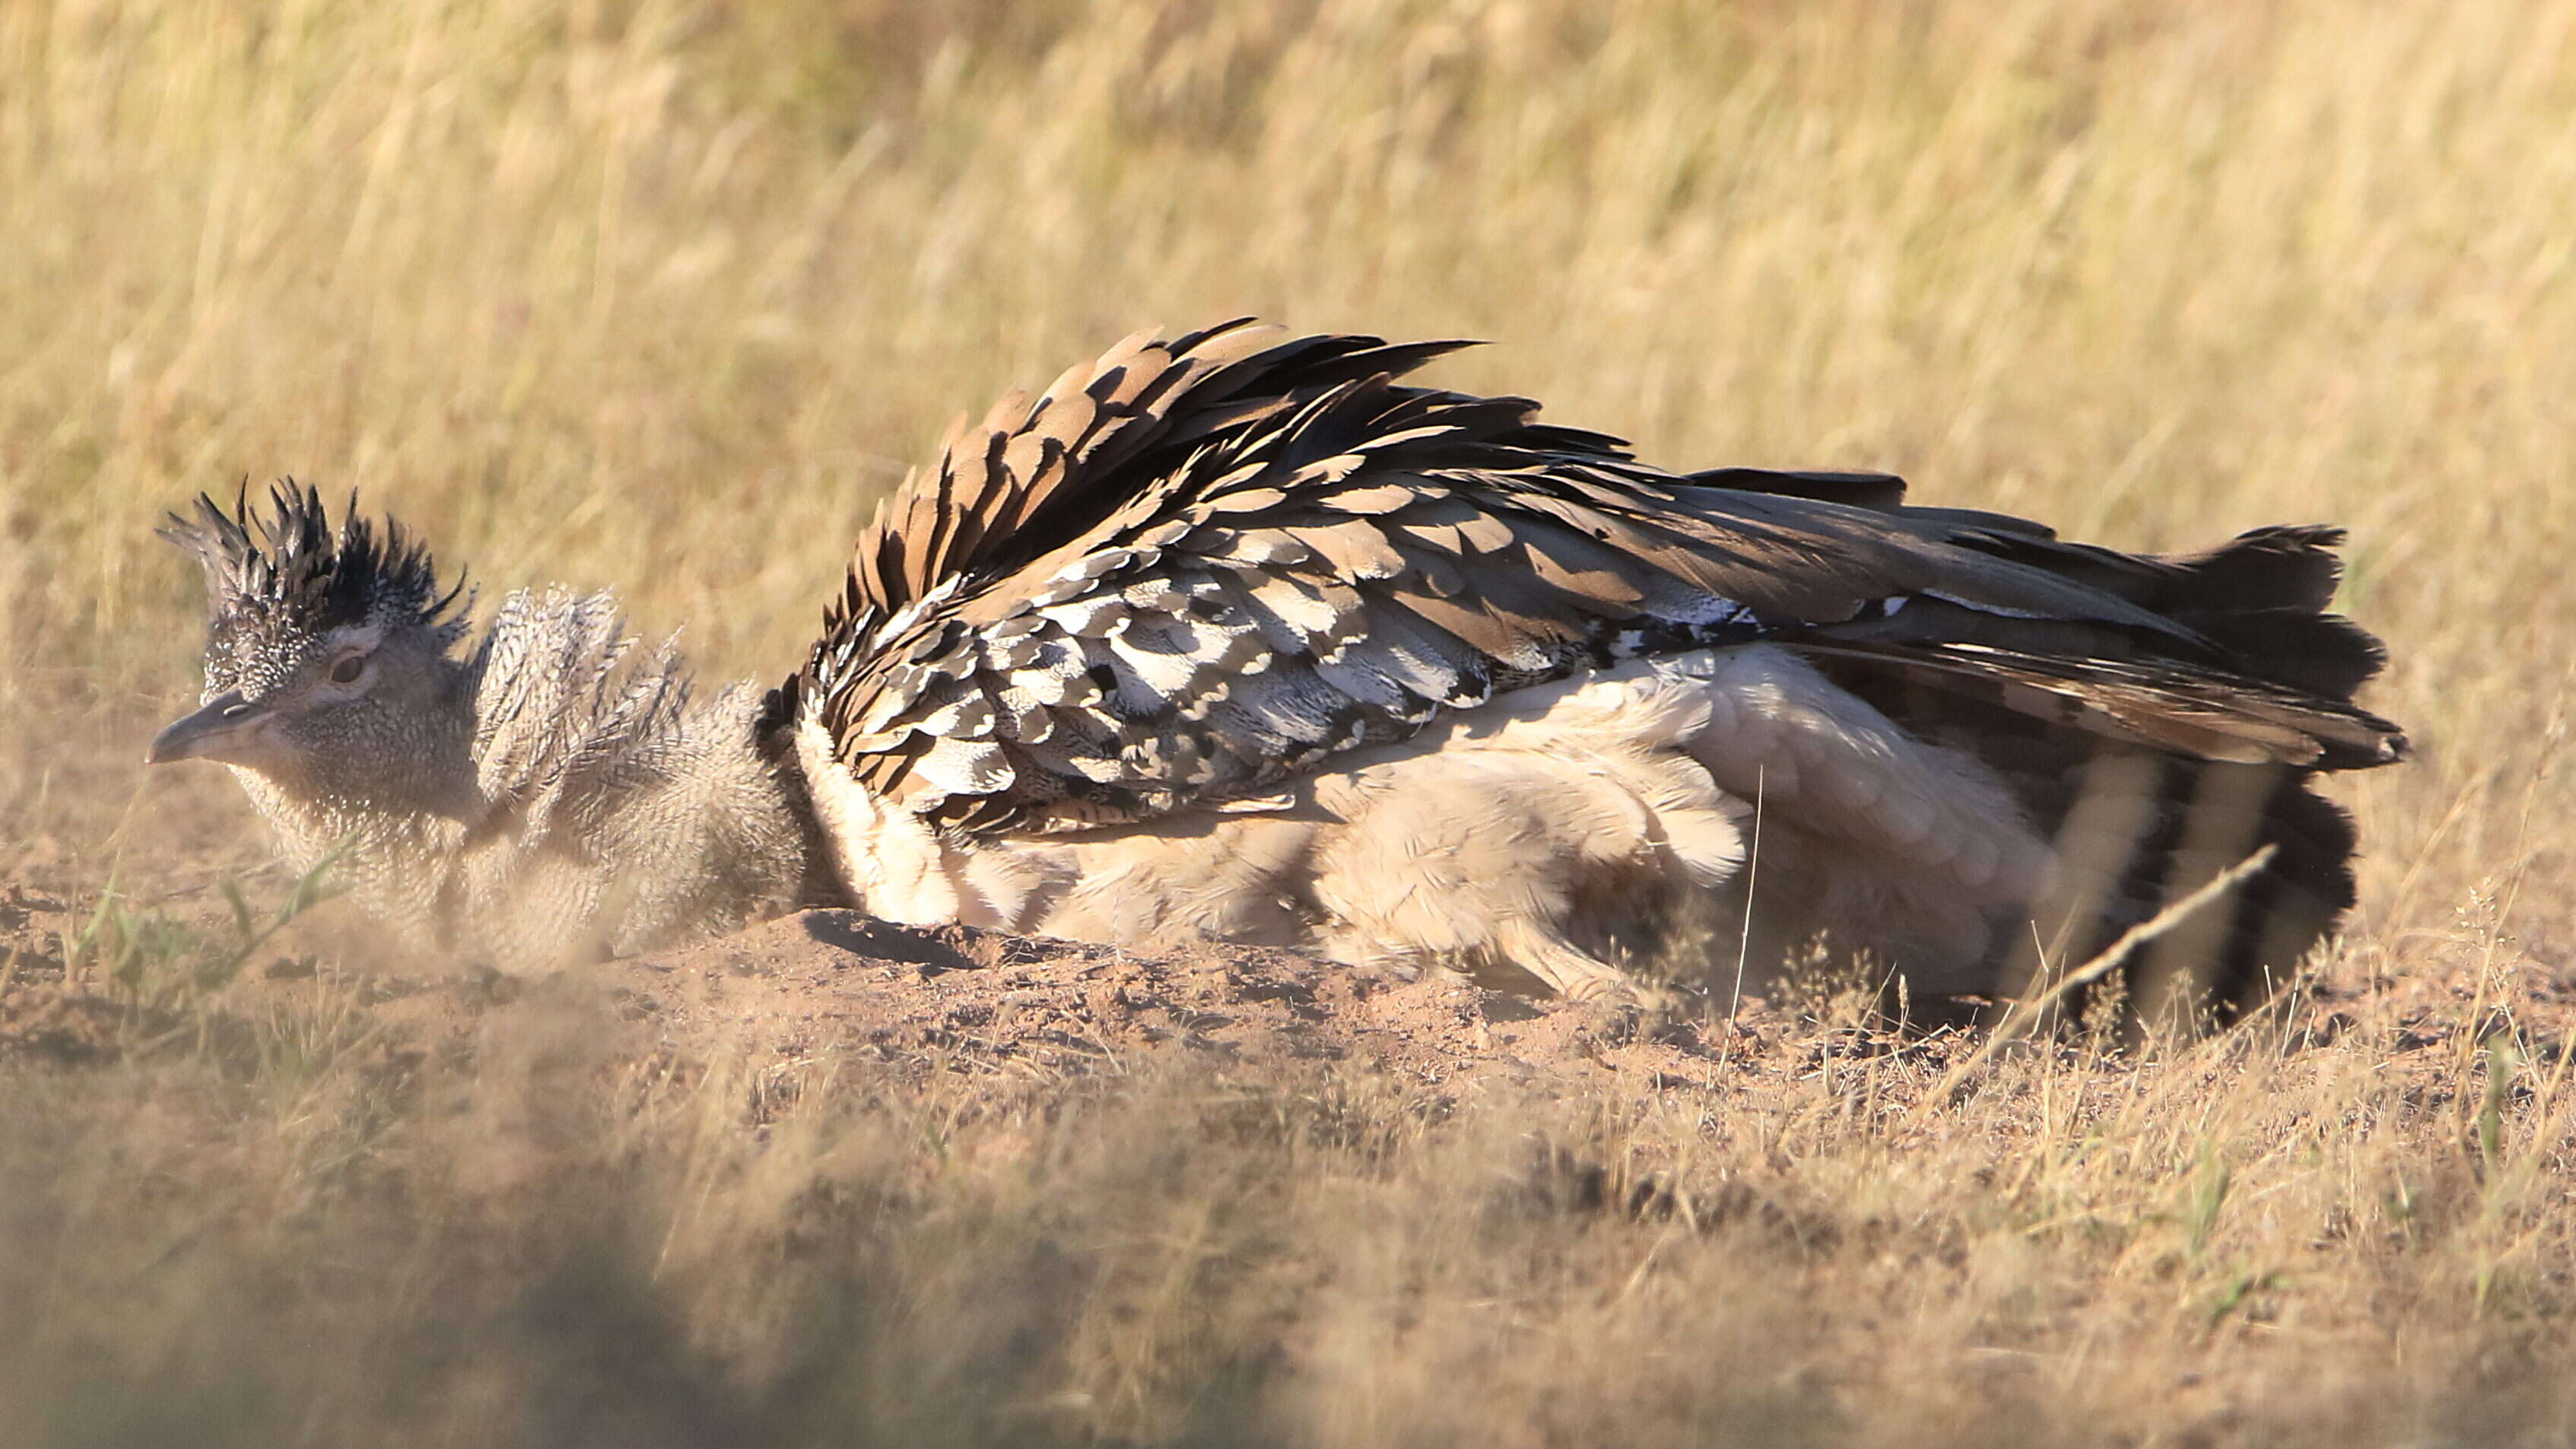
{"x": 568, "y": 285}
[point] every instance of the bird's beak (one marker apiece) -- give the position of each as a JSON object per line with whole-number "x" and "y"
{"x": 221, "y": 730}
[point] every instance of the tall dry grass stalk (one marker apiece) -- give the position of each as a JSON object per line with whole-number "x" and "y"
{"x": 664, "y": 295}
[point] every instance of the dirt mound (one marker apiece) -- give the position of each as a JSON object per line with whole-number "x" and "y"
{"x": 954, "y": 998}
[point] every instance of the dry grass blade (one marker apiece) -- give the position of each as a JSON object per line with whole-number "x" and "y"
{"x": 2028, "y": 1009}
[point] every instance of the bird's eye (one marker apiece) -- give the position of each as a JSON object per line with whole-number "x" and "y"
{"x": 348, "y": 669}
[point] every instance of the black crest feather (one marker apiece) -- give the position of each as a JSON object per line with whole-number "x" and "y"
{"x": 279, "y": 579}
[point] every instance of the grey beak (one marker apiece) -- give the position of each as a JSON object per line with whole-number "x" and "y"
{"x": 212, "y": 732}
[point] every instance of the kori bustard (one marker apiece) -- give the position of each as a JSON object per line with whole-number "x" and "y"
{"x": 1236, "y": 636}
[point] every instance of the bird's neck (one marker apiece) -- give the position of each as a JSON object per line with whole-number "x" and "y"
{"x": 394, "y": 858}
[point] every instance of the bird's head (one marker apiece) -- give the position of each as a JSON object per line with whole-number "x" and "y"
{"x": 328, "y": 663}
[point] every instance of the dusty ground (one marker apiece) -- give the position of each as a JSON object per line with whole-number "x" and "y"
{"x": 978, "y": 1002}
{"x": 839, "y": 987}
{"x": 1001, "y": 1014}
{"x": 830, "y": 1180}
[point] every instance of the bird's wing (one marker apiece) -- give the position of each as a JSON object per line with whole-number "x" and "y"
{"x": 1200, "y": 567}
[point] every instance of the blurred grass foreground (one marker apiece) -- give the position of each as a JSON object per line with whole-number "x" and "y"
{"x": 665, "y": 295}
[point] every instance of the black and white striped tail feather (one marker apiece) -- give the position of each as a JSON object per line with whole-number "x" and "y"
{"x": 2144, "y": 830}
{"x": 2144, "y": 811}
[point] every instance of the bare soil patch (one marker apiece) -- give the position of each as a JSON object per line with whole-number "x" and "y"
{"x": 981, "y": 1002}
{"x": 838, "y": 987}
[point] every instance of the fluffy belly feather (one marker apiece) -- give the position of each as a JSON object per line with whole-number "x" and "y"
{"x": 1543, "y": 835}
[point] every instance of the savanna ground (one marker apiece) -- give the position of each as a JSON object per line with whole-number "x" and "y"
{"x": 663, "y": 296}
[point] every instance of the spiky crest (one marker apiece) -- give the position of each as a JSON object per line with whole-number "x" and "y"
{"x": 279, "y": 580}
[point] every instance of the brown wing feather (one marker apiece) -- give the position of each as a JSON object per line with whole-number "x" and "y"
{"x": 1195, "y": 568}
